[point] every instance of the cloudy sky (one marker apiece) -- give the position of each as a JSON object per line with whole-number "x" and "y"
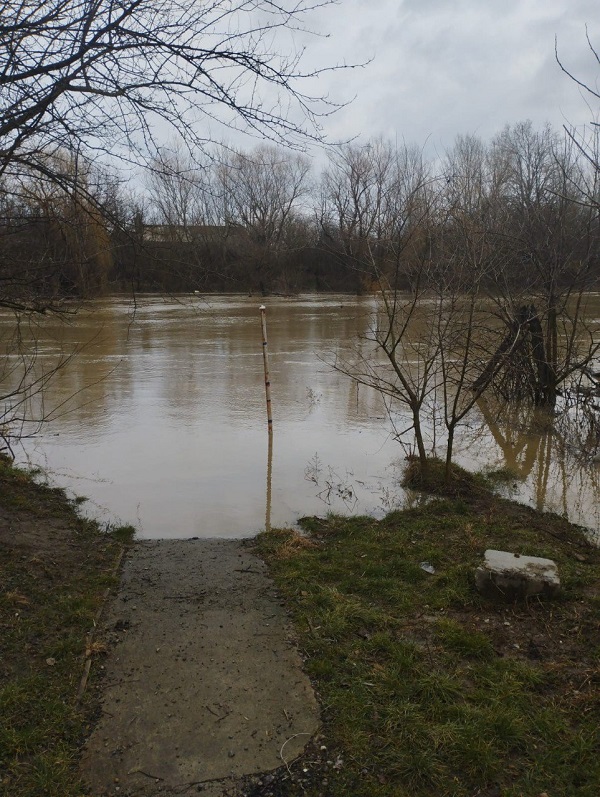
{"x": 443, "y": 67}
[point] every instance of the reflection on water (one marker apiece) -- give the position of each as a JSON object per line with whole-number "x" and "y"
{"x": 167, "y": 428}
{"x": 269, "y": 483}
{"x": 172, "y": 434}
{"x": 543, "y": 456}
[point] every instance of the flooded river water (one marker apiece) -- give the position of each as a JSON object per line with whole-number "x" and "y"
{"x": 160, "y": 421}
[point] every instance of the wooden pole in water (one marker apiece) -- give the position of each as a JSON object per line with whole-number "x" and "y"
{"x": 263, "y": 323}
{"x": 269, "y": 481}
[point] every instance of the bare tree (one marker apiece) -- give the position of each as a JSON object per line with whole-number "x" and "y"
{"x": 372, "y": 200}
{"x": 262, "y": 193}
{"x": 586, "y": 142}
{"x": 380, "y": 208}
{"x": 54, "y": 243}
{"x": 85, "y": 81}
{"x": 263, "y": 190}
{"x": 110, "y": 79}
{"x": 178, "y": 189}
{"x": 553, "y": 238}
{"x": 498, "y": 267}
{"x": 103, "y": 74}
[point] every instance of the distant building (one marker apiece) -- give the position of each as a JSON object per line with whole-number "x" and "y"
{"x": 192, "y": 233}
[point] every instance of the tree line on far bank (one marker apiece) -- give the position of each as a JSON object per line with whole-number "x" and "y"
{"x": 525, "y": 205}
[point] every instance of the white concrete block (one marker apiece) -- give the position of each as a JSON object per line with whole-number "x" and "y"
{"x": 513, "y": 577}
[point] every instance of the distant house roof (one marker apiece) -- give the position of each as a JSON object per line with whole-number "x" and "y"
{"x": 189, "y": 233}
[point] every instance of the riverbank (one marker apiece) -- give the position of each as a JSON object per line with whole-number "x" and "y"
{"x": 55, "y": 572}
{"x": 425, "y": 687}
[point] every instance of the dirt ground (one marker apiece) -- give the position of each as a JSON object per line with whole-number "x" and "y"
{"x": 203, "y": 683}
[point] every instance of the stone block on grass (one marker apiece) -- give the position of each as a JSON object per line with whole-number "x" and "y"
{"x": 511, "y": 577}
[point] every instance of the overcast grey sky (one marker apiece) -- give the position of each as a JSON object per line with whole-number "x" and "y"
{"x": 443, "y": 67}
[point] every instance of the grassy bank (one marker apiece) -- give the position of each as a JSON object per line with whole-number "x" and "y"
{"x": 55, "y": 568}
{"x": 426, "y": 687}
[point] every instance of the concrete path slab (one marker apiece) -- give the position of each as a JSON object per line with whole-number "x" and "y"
{"x": 204, "y": 682}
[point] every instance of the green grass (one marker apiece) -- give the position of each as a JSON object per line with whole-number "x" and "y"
{"x": 54, "y": 571}
{"x": 426, "y": 687}
{"x": 503, "y": 476}
{"x": 460, "y": 482}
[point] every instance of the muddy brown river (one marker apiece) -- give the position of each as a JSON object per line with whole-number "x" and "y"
{"x": 160, "y": 421}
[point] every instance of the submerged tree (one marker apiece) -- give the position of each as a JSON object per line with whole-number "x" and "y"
{"x": 485, "y": 287}
{"x": 552, "y": 240}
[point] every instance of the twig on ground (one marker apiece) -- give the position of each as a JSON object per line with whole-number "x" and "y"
{"x": 284, "y": 744}
{"x": 89, "y": 638}
{"x": 147, "y": 774}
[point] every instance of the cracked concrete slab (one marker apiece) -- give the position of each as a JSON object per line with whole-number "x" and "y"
{"x": 204, "y": 682}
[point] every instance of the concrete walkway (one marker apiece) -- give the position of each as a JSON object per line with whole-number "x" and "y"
{"x": 204, "y": 684}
